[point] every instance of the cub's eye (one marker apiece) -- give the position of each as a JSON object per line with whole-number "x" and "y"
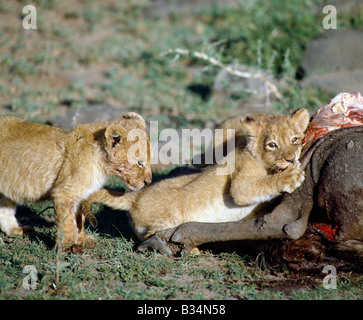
{"x": 141, "y": 163}
{"x": 294, "y": 139}
{"x": 272, "y": 145}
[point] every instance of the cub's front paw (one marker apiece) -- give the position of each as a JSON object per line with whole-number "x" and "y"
{"x": 292, "y": 179}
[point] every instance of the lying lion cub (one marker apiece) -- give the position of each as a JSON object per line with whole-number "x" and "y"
{"x": 265, "y": 168}
{"x": 38, "y": 161}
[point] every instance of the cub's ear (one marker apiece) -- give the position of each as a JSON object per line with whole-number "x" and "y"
{"x": 114, "y": 135}
{"x": 248, "y": 124}
{"x": 301, "y": 118}
{"x": 136, "y": 119}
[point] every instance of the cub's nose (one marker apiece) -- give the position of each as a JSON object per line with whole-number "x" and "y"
{"x": 148, "y": 180}
{"x": 290, "y": 158}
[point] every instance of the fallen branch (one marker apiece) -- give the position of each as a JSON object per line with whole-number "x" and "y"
{"x": 200, "y": 55}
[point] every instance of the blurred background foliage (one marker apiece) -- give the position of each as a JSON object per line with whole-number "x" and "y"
{"x": 88, "y": 52}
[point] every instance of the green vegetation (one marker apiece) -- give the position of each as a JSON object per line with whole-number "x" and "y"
{"x": 108, "y": 53}
{"x": 116, "y": 270}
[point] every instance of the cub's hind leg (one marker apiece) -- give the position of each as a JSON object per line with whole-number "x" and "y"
{"x": 8, "y": 223}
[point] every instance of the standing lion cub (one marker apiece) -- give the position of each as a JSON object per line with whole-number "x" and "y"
{"x": 266, "y": 167}
{"x": 39, "y": 162}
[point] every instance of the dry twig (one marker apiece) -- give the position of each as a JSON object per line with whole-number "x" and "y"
{"x": 200, "y": 55}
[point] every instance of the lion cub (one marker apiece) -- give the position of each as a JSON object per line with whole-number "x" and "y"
{"x": 266, "y": 167}
{"x": 39, "y": 161}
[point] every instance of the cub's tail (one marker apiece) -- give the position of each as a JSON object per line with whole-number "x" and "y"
{"x": 113, "y": 199}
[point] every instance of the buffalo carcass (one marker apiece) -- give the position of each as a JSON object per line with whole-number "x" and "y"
{"x": 320, "y": 222}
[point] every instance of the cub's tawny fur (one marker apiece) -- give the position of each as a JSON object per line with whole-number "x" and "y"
{"x": 263, "y": 169}
{"x": 39, "y": 162}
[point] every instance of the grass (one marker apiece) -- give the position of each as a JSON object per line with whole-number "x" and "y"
{"x": 116, "y": 270}
{"x": 106, "y": 52}
{"x": 118, "y": 51}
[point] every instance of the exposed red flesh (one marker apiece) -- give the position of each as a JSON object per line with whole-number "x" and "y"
{"x": 345, "y": 110}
